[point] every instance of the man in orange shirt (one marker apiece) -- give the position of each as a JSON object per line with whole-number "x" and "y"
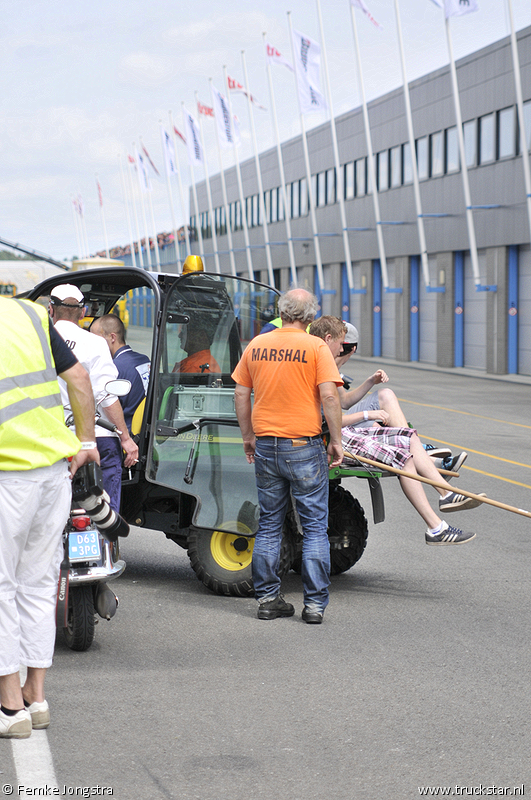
{"x": 196, "y": 341}
{"x": 292, "y": 375}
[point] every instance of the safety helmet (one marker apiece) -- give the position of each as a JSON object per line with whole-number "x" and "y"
{"x": 193, "y": 264}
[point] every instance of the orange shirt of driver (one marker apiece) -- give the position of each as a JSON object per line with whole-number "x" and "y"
{"x": 194, "y": 362}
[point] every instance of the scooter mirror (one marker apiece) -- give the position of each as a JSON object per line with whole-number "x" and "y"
{"x": 118, "y": 387}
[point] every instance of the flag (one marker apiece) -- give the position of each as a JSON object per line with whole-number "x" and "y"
{"x": 207, "y": 111}
{"x": 169, "y": 152}
{"x": 308, "y": 68}
{"x": 150, "y": 162}
{"x": 226, "y": 130}
{"x": 143, "y": 177}
{"x": 80, "y": 206}
{"x": 193, "y": 141}
{"x": 100, "y": 194}
{"x": 234, "y": 86}
{"x": 180, "y": 135}
{"x": 456, "y": 8}
{"x": 274, "y": 57}
{"x": 131, "y": 160}
{"x": 361, "y": 5}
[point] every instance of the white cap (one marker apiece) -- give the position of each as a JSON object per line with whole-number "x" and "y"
{"x": 351, "y": 336}
{"x": 66, "y": 290}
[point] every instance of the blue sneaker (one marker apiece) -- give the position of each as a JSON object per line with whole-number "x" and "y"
{"x": 449, "y": 535}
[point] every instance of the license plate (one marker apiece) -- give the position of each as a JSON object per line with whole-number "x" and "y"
{"x": 84, "y": 546}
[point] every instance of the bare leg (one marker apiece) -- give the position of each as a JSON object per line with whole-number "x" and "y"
{"x": 425, "y": 466}
{"x": 389, "y": 402}
{"x": 33, "y": 689}
{"x": 10, "y": 691}
{"x": 416, "y": 495}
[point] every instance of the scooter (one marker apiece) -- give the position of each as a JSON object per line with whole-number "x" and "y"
{"x": 90, "y": 560}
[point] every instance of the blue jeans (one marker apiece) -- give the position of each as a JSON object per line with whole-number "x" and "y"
{"x": 281, "y": 466}
{"x": 110, "y": 450}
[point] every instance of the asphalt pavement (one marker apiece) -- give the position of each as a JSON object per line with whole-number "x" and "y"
{"x": 418, "y": 679}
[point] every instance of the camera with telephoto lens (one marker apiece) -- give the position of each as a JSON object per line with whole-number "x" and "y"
{"x": 88, "y": 491}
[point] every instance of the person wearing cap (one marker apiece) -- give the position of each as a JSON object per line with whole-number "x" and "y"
{"x": 35, "y": 498}
{"x": 196, "y": 337}
{"x": 396, "y": 446}
{"x": 67, "y": 308}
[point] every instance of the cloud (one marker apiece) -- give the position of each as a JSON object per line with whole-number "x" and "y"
{"x": 147, "y": 69}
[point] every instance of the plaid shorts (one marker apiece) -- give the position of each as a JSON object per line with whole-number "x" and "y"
{"x": 388, "y": 445}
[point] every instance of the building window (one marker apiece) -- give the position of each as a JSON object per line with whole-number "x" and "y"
{"x": 407, "y": 163}
{"x": 321, "y": 189}
{"x": 382, "y": 170}
{"x": 274, "y": 204}
{"x": 452, "y": 150}
{"x": 361, "y": 177}
{"x": 471, "y": 142}
{"x": 506, "y": 133}
{"x": 396, "y": 165}
{"x": 527, "y": 123}
{"x": 487, "y": 141}
{"x": 295, "y": 189}
{"x": 436, "y": 154}
{"x": 280, "y": 207}
{"x": 422, "y": 158}
{"x": 256, "y": 211}
{"x": 331, "y": 186}
{"x": 304, "y": 197}
{"x": 314, "y": 190}
{"x": 349, "y": 180}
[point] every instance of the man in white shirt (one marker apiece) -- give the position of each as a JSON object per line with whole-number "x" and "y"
{"x": 67, "y": 307}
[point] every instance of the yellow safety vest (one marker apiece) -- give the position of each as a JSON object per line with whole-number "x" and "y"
{"x": 32, "y": 429}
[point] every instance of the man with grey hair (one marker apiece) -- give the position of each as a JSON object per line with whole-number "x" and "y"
{"x": 292, "y": 375}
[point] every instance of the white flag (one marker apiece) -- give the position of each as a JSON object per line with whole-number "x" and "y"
{"x": 308, "y": 67}
{"x": 169, "y": 152}
{"x": 456, "y": 8}
{"x": 193, "y": 140}
{"x": 234, "y": 86}
{"x": 226, "y": 132}
{"x": 274, "y": 57}
{"x": 361, "y": 5}
{"x": 143, "y": 176}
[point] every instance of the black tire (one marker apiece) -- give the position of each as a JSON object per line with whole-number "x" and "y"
{"x": 79, "y": 632}
{"x": 346, "y": 518}
{"x": 224, "y": 568}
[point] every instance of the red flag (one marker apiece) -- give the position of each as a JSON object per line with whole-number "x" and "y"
{"x": 206, "y": 110}
{"x": 151, "y": 164}
{"x": 180, "y": 135}
{"x": 100, "y": 193}
{"x": 234, "y": 86}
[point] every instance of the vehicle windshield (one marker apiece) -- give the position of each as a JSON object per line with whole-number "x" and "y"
{"x": 197, "y": 448}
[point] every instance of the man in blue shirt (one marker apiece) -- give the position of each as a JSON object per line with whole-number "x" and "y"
{"x": 132, "y": 366}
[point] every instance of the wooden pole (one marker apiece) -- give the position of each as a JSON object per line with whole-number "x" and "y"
{"x": 416, "y": 477}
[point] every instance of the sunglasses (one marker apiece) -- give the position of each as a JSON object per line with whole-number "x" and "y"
{"x": 348, "y": 347}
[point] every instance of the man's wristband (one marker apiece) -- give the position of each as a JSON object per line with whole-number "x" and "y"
{"x": 365, "y": 415}
{"x": 88, "y": 445}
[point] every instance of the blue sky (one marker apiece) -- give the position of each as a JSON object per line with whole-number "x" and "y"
{"x": 82, "y": 81}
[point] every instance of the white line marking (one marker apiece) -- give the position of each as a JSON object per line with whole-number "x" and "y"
{"x": 34, "y": 762}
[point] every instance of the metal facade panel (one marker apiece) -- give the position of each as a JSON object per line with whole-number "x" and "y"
{"x": 475, "y": 316}
{"x": 428, "y": 319}
{"x": 524, "y": 311}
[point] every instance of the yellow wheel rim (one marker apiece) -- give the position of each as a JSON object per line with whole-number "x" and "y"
{"x": 232, "y": 551}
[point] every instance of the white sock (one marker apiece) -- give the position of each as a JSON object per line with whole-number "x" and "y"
{"x": 439, "y": 529}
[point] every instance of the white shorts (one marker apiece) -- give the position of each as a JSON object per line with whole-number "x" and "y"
{"x": 34, "y": 507}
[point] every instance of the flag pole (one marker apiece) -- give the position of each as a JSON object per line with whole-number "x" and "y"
{"x": 76, "y": 227}
{"x": 223, "y": 191}
{"x": 170, "y": 197}
{"x": 135, "y": 214}
{"x": 127, "y": 215}
{"x": 287, "y": 210}
{"x": 521, "y": 119}
{"x": 370, "y": 154}
{"x": 180, "y": 184}
{"x": 240, "y": 187}
{"x": 143, "y": 209}
{"x": 149, "y": 190}
{"x": 208, "y": 190}
{"x": 261, "y": 203}
{"x": 102, "y": 215}
{"x": 317, "y": 246}
{"x": 414, "y": 169}
{"x": 340, "y": 182}
{"x": 464, "y": 170}
{"x": 194, "y": 193}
